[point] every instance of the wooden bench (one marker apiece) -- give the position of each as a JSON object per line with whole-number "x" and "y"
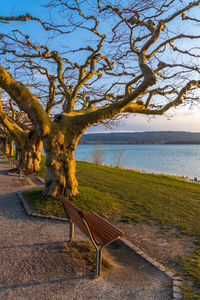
{"x": 6, "y": 157}
{"x": 25, "y": 173}
{"x": 13, "y": 162}
{"x": 100, "y": 231}
{"x": 2, "y": 155}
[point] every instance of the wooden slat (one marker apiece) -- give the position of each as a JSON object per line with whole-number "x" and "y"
{"x": 70, "y": 205}
{"x": 101, "y": 230}
{"x": 14, "y": 161}
{"x": 28, "y": 172}
{"x": 73, "y": 213}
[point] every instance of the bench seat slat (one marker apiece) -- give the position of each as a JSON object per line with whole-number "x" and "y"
{"x": 101, "y": 230}
{"x": 97, "y": 219}
{"x": 101, "y": 227}
{"x": 99, "y": 237}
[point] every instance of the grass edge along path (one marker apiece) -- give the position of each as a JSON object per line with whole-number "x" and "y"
{"x": 124, "y": 195}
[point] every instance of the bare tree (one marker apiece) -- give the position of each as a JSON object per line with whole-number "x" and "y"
{"x": 131, "y": 60}
{"x": 6, "y": 144}
{"x": 118, "y": 158}
{"x": 18, "y": 128}
{"x": 98, "y": 155}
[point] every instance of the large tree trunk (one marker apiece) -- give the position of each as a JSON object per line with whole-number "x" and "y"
{"x": 16, "y": 152}
{"x": 30, "y": 155}
{"x": 6, "y": 147}
{"x": 11, "y": 147}
{"x": 60, "y": 172}
{"x": 33, "y": 155}
{"x": 2, "y": 145}
{"x": 22, "y": 157}
{"x": 59, "y": 147}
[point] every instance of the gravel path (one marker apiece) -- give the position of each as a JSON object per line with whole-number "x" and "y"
{"x": 33, "y": 264}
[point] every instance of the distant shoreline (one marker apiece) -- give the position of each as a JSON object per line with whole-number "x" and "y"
{"x": 142, "y": 138}
{"x": 124, "y": 143}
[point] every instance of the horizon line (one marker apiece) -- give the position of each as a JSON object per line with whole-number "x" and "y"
{"x": 129, "y": 131}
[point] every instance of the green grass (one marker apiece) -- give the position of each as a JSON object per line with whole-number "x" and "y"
{"x": 128, "y": 196}
{"x": 44, "y": 205}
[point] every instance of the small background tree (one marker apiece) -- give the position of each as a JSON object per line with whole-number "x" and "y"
{"x": 98, "y": 155}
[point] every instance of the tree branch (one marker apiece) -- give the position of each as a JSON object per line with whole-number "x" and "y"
{"x": 26, "y": 101}
{"x": 17, "y": 132}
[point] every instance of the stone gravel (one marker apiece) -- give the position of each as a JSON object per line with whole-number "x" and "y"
{"x": 33, "y": 264}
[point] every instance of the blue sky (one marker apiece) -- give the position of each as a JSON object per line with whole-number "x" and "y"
{"x": 179, "y": 119}
{"x": 16, "y": 7}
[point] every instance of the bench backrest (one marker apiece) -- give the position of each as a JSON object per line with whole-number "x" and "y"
{"x": 26, "y": 172}
{"x": 74, "y": 213}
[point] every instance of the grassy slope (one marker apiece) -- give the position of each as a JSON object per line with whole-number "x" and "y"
{"x": 122, "y": 195}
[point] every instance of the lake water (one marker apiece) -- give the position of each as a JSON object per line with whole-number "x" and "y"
{"x": 168, "y": 159}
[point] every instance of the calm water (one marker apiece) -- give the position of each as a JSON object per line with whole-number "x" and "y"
{"x": 169, "y": 159}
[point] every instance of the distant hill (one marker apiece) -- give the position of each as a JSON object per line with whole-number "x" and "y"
{"x": 147, "y": 137}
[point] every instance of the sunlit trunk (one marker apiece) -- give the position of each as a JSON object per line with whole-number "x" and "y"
{"x": 6, "y": 147}
{"x": 33, "y": 155}
{"x": 60, "y": 173}
{"x": 30, "y": 155}
{"x": 11, "y": 150}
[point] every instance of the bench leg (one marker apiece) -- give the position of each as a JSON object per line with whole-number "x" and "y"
{"x": 71, "y": 231}
{"x": 98, "y": 255}
{"x": 98, "y": 261}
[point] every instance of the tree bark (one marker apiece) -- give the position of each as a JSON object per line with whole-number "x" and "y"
{"x": 60, "y": 173}
{"x": 11, "y": 147}
{"x": 22, "y": 158}
{"x": 30, "y": 155}
{"x": 33, "y": 155}
{"x": 6, "y": 147}
{"x": 2, "y": 145}
{"x": 16, "y": 152}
